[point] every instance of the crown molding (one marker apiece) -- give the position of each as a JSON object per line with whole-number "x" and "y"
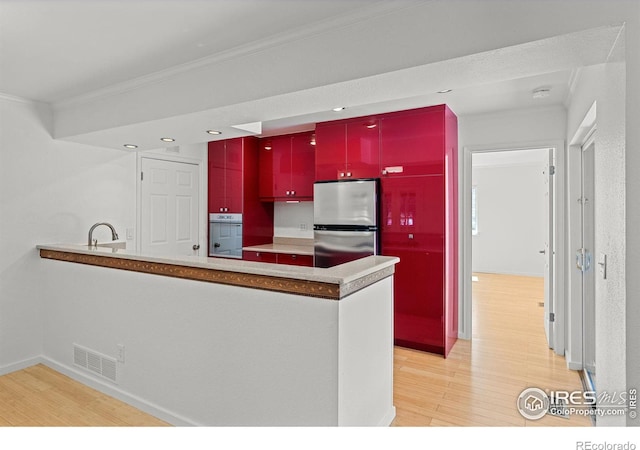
{"x": 17, "y": 99}
{"x": 379, "y": 8}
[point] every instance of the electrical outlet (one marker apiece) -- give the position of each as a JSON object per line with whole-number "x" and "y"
{"x": 129, "y": 234}
{"x": 303, "y": 227}
{"x": 120, "y": 353}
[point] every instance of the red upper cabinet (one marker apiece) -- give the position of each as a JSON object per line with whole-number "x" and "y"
{"x": 287, "y": 167}
{"x": 413, "y": 142}
{"x": 225, "y": 176}
{"x": 331, "y": 150}
{"x": 303, "y": 159}
{"x": 363, "y": 148}
{"x": 348, "y": 149}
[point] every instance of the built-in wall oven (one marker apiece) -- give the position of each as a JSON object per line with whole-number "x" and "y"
{"x": 225, "y": 235}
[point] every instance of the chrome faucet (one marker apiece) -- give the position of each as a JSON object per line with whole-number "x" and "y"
{"x": 114, "y": 235}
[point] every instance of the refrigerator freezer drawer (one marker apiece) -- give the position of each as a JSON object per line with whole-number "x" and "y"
{"x": 338, "y": 247}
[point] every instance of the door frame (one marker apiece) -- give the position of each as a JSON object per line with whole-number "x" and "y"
{"x": 559, "y": 250}
{"x": 203, "y": 221}
{"x": 584, "y": 133}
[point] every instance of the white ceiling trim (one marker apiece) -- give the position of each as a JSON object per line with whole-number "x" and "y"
{"x": 17, "y": 99}
{"x": 379, "y": 8}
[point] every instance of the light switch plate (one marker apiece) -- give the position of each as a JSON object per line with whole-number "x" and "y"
{"x": 129, "y": 234}
{"x": 602, "y": 264}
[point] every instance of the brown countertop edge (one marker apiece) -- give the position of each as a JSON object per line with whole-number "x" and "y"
{"x": 334, "y": 283}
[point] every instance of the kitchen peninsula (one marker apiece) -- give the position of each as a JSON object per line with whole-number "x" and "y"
{"x": 212, "y": 341}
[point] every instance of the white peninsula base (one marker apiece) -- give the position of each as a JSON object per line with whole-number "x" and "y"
{"x": 198, "y": 353}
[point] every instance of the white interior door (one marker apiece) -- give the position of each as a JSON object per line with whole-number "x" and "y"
{"x": 586, "y": 258}
{"x": 170, "y": 207}
{"x": 549, "y": 253}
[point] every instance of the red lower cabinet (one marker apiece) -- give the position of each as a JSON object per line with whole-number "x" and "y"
{"x": 417, "y": 229}
{"x": 295, "y": 260}
{"x": 267, "y": 257}
{"x": 279, "y": 258}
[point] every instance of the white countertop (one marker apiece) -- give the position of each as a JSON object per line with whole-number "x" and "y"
{"x": 340, "y": 275}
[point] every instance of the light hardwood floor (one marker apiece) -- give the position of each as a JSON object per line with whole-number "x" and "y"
{"x": 40, "y": 396}
{"x": 480, "y": 381}
{"x": 477, "y": 385}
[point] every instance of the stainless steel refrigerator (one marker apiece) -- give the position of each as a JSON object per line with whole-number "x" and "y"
{"x": 345, "y": 217}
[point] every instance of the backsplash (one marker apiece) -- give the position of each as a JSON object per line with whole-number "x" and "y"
{"x": 293, "y": 220}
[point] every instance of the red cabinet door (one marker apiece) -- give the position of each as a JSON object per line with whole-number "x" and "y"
{"x": 412, "y": 142}
{"x": 265, "y": 167}
{"x": 363, "y": 148}
{"x": 225, "y": 176}
{"x": 419, "y": 307}
{"x": 331, "y": 151}
{"x": 216, "y": 183}
{"x": 281, "y": 155}
{"x": 302, "y": 166}
{"x": 267, "y": 257}
{"x": 295, "y": 260}
{"x": 233, "y": 174}
{"x": 413, "y": 227}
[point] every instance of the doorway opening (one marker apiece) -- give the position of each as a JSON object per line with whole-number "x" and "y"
{"x": 512, "y": 217}
{"x": 545, "y": 161}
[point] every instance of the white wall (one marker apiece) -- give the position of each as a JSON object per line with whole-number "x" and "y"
{"x": 287, "y": 218}
{"x": 196, "y": 353}
{"x": 632, "y": 182}
{"x": 50, "y": 191}
{"x": 605, "y": 85}
{"x": 511, "y": 219}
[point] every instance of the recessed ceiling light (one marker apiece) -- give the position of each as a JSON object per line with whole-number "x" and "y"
{"x": 445, "y": 91}
{"x": 214, "y": 132}
{"x": 541, "y": 92}
{"x": 167, "y": 139}
{"x": 131, "y": 146}
{"x": 339, "y": 108}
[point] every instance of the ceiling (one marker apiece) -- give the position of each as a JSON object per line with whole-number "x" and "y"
{"x": 98, "y": 63}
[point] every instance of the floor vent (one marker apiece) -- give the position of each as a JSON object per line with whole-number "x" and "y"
{"x": 95, "y": 362}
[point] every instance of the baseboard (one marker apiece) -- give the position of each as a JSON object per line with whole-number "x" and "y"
{"x": 571, "y": 364}
{"x": 105, "y": 388}
{"x": 20, "y": 365}
{"x": 388, "y": 418}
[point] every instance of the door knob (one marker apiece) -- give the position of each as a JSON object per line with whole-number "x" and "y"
{"x": 542, "y": 252}
{"x": 196, "y": 247}
{"x": 216, "y": 244}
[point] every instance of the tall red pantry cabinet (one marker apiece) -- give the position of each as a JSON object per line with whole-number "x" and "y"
{"x": 233, "y": 187}
{"x": 419, "y": 222}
